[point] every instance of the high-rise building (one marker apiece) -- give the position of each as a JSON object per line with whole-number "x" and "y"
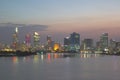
{"x": 75, "y": 38}
{"x": 67, "y": 44}
{"x": 66, "y": 41}
{"x": 104, "y": 41}
{"x": 49, "y": 40}
{"x": 75, "y": 41}
{"x": 112, "y": 43}
{"x": 36, "y": 39}
{"x": 49, "y": 43}
{"x": 88, "y": 44}
{"x": 98, "y": 46}
{"x": 15, "y": 38}
{"x": 28, "y": 39}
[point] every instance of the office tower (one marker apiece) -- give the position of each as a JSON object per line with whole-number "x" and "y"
{"x": 66, "y": 41}
{"x": 49, "y": 42}
{"x": 112, "y": 43}
{"x": 49, "y": 39}
{"x": 75, "y": 38}
{"x": 15, "y": 38}
{"x": 27, "y": 39}
{"x": 118, "y": 45}
{"x": 88, "y": 44}
{"x": 75, "y": 41}
{"x": 36, "y": 39}
{"x": 67, "y": 44}
{"x": 104, "y": 41}
{"x": 98, "y": 46}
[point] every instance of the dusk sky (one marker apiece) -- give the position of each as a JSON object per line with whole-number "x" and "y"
{"x": 90, "y": 18}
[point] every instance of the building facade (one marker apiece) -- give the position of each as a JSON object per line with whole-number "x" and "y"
{"x": 104, "y": 41}
{"x": 75, "y": 42}
{"x": 36, "y": 39}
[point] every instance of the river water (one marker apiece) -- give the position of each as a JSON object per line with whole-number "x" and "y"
{"x": 58, "y": 67}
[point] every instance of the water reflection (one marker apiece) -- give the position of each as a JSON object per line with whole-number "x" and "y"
{"x": 42, "y": 57}
{"x": 15, "y": 59}
{"x": 26, "y": 59}
{"x": 61, "y": 66}
{"x": 36, "y": 58}
{"x": 51, "y": 56}
{"x": 89, "y": 55}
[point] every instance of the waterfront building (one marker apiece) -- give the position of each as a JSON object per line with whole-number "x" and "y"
{"x": 15, "y": 38}
{"x": 28, "y": 39}
{"x": 49, "y": 39}
{"x": 75, "y": 42}
{"x": 49, "y": 43}
{"x": 98, "y": 46}
{"x": 36, "y": 36}
{"x": 104, "y": 41}
{"x": 113, "y": 46}
{"x": 67, "y": 41}
{"x": 67, "y": 44}
{"x": 112, "y": 43}
{"x": 87, "y": 46}
{"x": 118, "y": 47}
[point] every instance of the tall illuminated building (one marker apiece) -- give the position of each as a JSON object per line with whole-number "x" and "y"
{"x": 67, "y": 44}
{"x": 75, "y": 41}
{"x": 49, "y": 42}
{"x": 28, "y": 39}
{"x": 15, "y": 38}
{"x": 88, "y": 44}
{"x": 49, "y": 39}
{"x": 66, "y": 41}
{"x": 104, "y": 41}
{"x": 36, "y": 38}
{"x": 98, "y": 46}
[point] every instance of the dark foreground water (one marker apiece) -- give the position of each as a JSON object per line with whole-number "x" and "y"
{"x": 57, "y": 67}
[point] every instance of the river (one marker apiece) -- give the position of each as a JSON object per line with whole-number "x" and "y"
{"x": 58, "y": 67}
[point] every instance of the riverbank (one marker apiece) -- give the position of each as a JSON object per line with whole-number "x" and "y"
{"x": 16, "y": 53}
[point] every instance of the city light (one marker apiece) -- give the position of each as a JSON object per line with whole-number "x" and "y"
{"x": 72, "y": 44}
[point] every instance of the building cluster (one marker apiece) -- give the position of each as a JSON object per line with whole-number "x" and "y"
{"x": 72, "y": 43}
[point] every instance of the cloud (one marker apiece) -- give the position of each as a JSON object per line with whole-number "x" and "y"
{"x": 22, "y": 25}
{"x": 7, "y": 29}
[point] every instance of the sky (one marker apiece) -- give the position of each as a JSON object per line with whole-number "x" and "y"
{"x": 90, "y": 18}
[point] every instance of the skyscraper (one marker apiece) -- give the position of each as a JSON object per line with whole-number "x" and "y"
{"x": 75, "y": 41}
{"x": 49, "y": 40}
{"x": 104, "y": 41}
{"x": 66, "y": 41}
{"x": 49, "y": 43}
{"x": 67, "y": 44}
{"x": 28, "y": 39}
{"x": 88, "y": 44}
{"x": 36, "y": 39}
{"x": 15, "y": 38}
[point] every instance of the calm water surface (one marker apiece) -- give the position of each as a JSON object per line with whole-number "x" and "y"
{"x": 57, "y": 67}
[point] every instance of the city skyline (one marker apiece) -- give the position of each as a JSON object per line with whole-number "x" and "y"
{"x": 89, "y": 18}
{"x": 24, "y": 30}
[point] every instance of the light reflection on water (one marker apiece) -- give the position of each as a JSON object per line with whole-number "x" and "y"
{"x": 50, "y": 56}
{"x": 54, "y": 66}
{"x": 15, "y": 59}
